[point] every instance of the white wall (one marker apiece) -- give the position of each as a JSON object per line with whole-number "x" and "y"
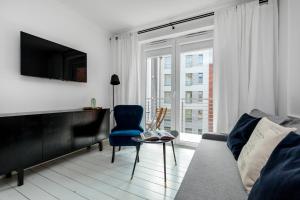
{"x": 51, "y": 20}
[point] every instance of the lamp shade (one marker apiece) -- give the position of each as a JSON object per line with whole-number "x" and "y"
{"x": 114, "y": 80}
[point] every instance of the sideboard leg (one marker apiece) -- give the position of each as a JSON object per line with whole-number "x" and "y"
{"x": 100, "y": 145}
{"x": 8, "y": 175}
{"x": 20, "y": 177}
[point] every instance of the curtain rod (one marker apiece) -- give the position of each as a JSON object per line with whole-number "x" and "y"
{"x": 171, "y": 24}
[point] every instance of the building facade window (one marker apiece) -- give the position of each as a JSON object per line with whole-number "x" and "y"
{"x": 200, "y": 115}
{"x": 198, "y": 98}
{"x": 167, "y": 62}
{"x": 188, "y": 130}
{"x": 200, "y": 131}
{"x": 168, "y": 115}
{"x": 188, "y": 79}
{"x": 188, "y": 115}
{"x": 188, "y": 97}
{"x": 189, "y": 61}
{"x": 199, "y": 59}
{"x": 197, "y": 78}
{"x": 167, "y": 98}
{"x": 168, "y": 80}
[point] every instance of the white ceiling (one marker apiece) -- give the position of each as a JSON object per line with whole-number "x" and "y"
{"x": 119, "y": 15}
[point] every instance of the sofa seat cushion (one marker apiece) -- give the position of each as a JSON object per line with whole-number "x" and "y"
{"x": 212, "y": 174}
{"x": 280, "y": 178}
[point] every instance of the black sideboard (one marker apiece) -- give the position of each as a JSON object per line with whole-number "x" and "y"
{"x": 28, "y": 139}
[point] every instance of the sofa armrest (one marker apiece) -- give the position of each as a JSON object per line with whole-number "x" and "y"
{"x": 215, "y": 136}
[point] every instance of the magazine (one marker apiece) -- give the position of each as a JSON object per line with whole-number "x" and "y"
{"x": 156, "y": 135}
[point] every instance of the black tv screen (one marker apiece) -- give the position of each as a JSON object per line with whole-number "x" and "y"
{"x": 46, "y": 59}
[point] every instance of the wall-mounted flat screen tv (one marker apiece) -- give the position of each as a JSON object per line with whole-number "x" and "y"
{"x": 46, "y": 59}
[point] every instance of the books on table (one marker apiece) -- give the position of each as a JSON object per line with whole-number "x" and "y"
{"x": 156, "y": 135}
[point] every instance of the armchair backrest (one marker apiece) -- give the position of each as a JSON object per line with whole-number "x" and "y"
{"x": 128, "y": 117}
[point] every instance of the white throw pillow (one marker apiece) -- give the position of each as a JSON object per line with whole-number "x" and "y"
{"x": 256, "y": 152}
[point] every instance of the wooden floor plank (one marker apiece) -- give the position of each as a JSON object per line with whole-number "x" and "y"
{"x": 89, "y": 175}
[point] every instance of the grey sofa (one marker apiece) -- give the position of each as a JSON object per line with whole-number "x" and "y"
{"x": 212, "y": 173}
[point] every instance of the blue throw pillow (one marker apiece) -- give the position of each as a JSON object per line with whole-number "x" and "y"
{"x": 280, "y": 178}
{"x": 241, "y": 133}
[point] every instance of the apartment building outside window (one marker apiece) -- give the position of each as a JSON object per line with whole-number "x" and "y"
{"x": 167, "y": 79}
{"x": 200, "y": 115}
{"x": 188, "y": 115}
{"x": 189, "y": 61}
{"x": 197, "y": 78}
{"x": 198, "y": 97}
{"x": 188, "y": 79}
{"x": 167, "y": 98}
{"x": 188, "y": 97}
{"x": 188, "y": 130}
{"x": 167, "y": 62}
{"x": 199, "y": 59}
{"x": 200, "y": 131}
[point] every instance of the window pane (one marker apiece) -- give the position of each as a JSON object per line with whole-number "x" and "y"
{"x": 167, "y": 98}
{"x": 167, "y": 79}
{"x": 167, "y": 62}
{"x": 188, "y": 115}
{"x": 188, "y": 97}
{"x": 188, "y": 60}
{"x": 188, "y": 79}
{"x": 199, "y": 59}
{"x": 197, "y": 78}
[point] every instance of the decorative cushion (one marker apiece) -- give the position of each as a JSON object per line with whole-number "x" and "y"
{"x": 129, "y": 133}
{"x": 254, "y": 155}
{"x": 274, "y": 118}
{"x": 240, "y": 134}
{"x": 280, "y": 178}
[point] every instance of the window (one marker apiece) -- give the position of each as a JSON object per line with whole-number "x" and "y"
{"x": 200, "y": 114}
{"x": 168, "y": 115}
{"x": 198, "y": 97}
{"x": 188, "y": 115}
{"x": 167, "y": 62}
{"x": 199, "y": 59}
{"x": 167, "y": 128}
{"x": 200, "y": 131}
{"x": 188, "y": 60}
{"x": 188, "y": 97}
{"x": 167, "y": 98}
{"x": 188, "y": 130}
{"x": 167, "y": 79}
{"x": 198, "y": 78}
{"x": 188, "y": 79}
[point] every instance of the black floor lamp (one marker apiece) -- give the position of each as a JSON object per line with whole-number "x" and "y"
{"x": 114, "y": 81}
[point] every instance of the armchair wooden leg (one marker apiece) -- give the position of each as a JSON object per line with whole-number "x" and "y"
{"x": 8, "y": 175}
{"x": 113, "y": 155}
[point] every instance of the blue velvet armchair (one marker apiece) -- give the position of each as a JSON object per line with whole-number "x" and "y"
{"x": 128, "y": 119}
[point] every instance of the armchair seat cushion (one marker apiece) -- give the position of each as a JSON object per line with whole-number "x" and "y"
{"x": 123, "y": 138}
{"x": 129, "y": 133}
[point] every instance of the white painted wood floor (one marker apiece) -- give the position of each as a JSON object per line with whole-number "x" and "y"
{"x": 89, "y": 175}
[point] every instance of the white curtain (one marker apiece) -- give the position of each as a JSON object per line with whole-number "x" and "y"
{"x": 245, "y": 60}
{"x": 125, "y": 61}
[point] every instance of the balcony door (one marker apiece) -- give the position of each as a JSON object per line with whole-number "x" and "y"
{"x": 178, "y": 76}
